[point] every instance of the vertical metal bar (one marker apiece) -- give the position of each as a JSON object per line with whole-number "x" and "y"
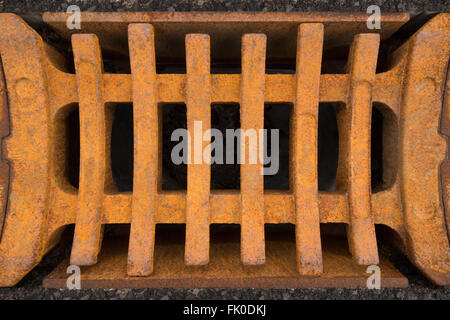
{"x": 361, "y": 68}
{"x": 198, "y": 108}
{"x": 145, "y": 169}
{"x": 89, "y": 73}
{"x": 304, "y": 142}
{"x": 252, "y": 119}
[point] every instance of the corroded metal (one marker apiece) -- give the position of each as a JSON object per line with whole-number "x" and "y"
{"x": 146, "y": 126}
{"x": 88, "y": 226}
{"x": 252, "y": 117}
{"x": 198, "y": 101}
{"x": 304, "y": 158}
{"x": 41, "y": 92}
{"x": 361, "y": 69}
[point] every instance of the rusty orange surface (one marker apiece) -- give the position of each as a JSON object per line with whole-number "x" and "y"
{"x": 225, "y": 270}
{"x": 146, "y": 140}
{"x": 38, "y": 92}
{"x": 304, "y": 157}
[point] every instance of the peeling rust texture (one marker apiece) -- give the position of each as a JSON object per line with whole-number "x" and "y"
{"x": 198, "y": 101}
{"x": 146, "y": 127}
{"x": 170, "y": 270}
{"x": 88, "y": 226}
{"x": 42, "y": 92}
{"x": 252, "y": 117}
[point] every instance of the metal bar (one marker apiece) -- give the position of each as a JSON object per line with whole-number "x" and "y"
{"x": 252, "y": 118}
{"x": 198, "y": 115}
{"x": 145, "y": 169}
{"x": 361, "y": 67}
{"x": 88, "y": 227}
{"x": 224, "y": 88}
{"x": 304, "y": 153}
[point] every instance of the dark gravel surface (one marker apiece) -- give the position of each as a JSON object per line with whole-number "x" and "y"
{"x": 30, "y": 287}
{"x": 226, "y": 5}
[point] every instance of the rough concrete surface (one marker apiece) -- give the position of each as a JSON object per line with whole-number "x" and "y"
{"x": 30, "y": 287}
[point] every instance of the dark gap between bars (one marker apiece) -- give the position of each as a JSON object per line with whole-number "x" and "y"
{"x": 384, "y": 137}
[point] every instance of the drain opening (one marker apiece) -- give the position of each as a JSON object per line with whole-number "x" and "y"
{"x": 72, "y": 146}
{"x": 122, "y": 151}
{"x": 384, "y": 138}
{"x": 384, "y": 147}
{"x": 226, "y": 175}
{"x": 277, "y": 117}
{"x": 328, "y": 146}
{"x": 174, "y": 176}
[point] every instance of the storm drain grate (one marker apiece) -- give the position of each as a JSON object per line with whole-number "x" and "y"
{"x": 41, "y": 93}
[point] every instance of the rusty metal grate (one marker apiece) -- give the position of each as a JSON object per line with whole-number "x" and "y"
{"x": 40, "y": 92}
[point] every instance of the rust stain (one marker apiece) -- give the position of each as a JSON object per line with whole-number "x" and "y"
{"x": 361, "y": 68}
{"x": 88, "y": 226}
{"x": 423, "y": 149}
{"x": 252, "y": 180}
{"x": 146, "y": 167}
{"x": 304, "y": 147}
{"x": 41, "y": 92}
{"x": 198, "y": 101}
